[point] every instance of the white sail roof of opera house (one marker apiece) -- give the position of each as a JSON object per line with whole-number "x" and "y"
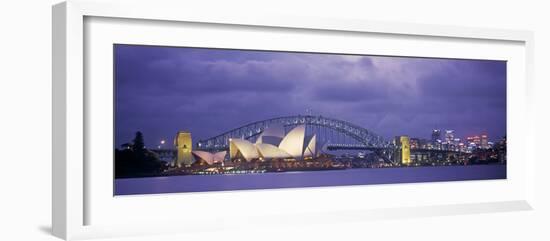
{"x": 268, "y": 151}
{"x": 244, "y": 147}
{"x": 293, "y": 142}
{"x": 292, "y": 145}
{"x": 210, "y": 158}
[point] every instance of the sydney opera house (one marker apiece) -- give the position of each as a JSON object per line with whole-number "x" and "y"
{"x": 274, "y": 144}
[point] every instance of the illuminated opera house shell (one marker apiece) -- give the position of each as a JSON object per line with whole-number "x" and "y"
{"x": 208, "y": 157}
{"x": 273, "y": 143}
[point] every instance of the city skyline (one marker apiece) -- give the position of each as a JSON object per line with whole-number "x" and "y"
{"x": 162, "y": 90}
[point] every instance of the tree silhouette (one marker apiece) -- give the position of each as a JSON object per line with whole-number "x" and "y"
{"x": 139, "y": 144}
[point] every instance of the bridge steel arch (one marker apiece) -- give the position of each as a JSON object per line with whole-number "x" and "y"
{"x": 248, "y": 131}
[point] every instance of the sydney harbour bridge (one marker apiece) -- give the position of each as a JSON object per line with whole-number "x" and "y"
{"x": 332, "y": 134}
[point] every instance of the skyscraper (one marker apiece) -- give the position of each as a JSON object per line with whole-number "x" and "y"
{"x": 484, "y": 141}
{"x": 448, "y": 143}
{"x": 449, "y": 136}
{"x": 436, "y": 135}
{"x": 477, "y": 141}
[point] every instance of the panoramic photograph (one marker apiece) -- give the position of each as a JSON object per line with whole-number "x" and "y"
{"x": 191, "y": 119}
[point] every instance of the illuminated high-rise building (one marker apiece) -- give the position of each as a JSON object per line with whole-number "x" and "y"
{"x": 477, "y": 141}
{"x": 436, "y": 135}
{"x": 449, "y": 136}
{"x": 184, "y": 143}
{"x": 448, "y": 140}
{"x": 455, "y": 144}
{"x": 473, "y": 141}
{"x": 484, "y": 141}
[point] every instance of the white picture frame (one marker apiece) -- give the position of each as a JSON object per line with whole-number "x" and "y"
{"x": 72, "y": 189}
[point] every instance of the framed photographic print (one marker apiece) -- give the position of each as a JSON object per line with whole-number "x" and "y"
{"x": 191, "y": 119}
{"x": 278, "y": 118}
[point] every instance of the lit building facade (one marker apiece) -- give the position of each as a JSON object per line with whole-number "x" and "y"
{"x": 183, "y": 143}
{"x": 448, "y": 144}
{"x": 405, "y": 150}
{"x": 484, "y": 141}
{"x": 449, "y": 136}
{"x": 436, "y": 138}
{"x": 403, "y": 155}
{"x": 477, "y": 141}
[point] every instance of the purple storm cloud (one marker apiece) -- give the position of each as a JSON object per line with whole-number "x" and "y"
{"x": 161, "y": 90}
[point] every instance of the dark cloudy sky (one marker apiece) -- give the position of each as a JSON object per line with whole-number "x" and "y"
{"x": 160, "y": 90}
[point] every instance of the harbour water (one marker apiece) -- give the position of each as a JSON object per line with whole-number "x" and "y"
{"x": 359, "y": 176}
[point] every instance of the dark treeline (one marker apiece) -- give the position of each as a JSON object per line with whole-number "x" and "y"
{"x": 134, "y": 160}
